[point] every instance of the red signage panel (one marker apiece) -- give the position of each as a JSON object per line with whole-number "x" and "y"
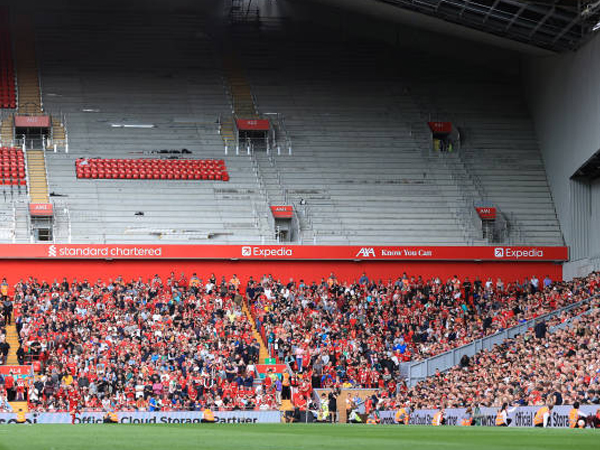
{"x": 32, "y": 121}
{"x": 41, "y": 209}
{"x": 16, "y": 370}
{"x": 253, "y": 124}
{"x": 282, "y": 211}
{"x": 440, "y": 127}
{"x": 486, "y": 213}
{"x": 284, "y": 252}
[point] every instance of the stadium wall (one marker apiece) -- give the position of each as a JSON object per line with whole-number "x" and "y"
{"x": 564, "y": 97}
{"x": 14, "y": 270}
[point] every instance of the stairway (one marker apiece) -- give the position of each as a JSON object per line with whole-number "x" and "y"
{"x": 242, "y": 102}
{"x": 227, "y": 131}
{"x": 22, "y": 223}
{"x": 263, "y": 353}
{"x": 241, "y": 93}
{"x": 59, "y": 134}
{"x": 12, "y": 338}
{"x": 38, "y": 184}
{"x": 28, "y": 85}
{"x": 7, "y": 131}
{"x": 271, "y": 178}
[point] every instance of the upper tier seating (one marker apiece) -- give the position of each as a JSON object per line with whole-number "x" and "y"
{"x": 365, "y": 109}
{"x": 7, "y": 71}
{"x": 152, "y": 169}
{"x": 12, "y": 166}
{"x": 182, "y": 97}
{"x": 360, "y": 157}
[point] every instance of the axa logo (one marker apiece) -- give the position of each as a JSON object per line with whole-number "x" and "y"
{"x": 52, "y": 251}
{"x": 499, "y": 252}
{"x": 246, "y": 251}
{"x": 366, "y": 252}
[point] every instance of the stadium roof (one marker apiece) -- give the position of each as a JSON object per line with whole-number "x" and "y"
{"x": 555, "y": 25}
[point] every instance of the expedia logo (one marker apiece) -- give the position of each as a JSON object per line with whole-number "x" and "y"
{"x": 52, "y": 251}
{"x": 269, "y": 252}
{"x": 518, "y": 253}
{"x": 366, "y": 252}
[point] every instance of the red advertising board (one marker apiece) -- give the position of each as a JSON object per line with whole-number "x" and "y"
{"x": 440, "y": 127}
{"x": 282, "y": 211}
{"x": 253, "y": 124}
{"x": 486, "y": 213}
{"x": 32, "y": 121}
{"x": 16, "y": 370}
{"x": 283, "y": 252}
{"x": 40, "y": 209}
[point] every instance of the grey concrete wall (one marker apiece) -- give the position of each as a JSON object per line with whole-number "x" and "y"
{"x": 563, "y": 93}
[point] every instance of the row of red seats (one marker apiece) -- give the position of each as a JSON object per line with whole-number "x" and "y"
{"x": 13, "y": 181}
{"x": 152, "y": 169}
{"x": 8, "y": 95}
{"x": 151, "y": 162}
{"x": 12, "y": 166}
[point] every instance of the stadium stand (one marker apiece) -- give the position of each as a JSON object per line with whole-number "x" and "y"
{"x": 184, "y": 344}
{"x": 499, "y": 148}
{"x": 398, "y": 188}
{"x": 177, "y": 105}
{"x": 558, "y": 368}
{"x": 402, "y": 320}
{"x": 181, "y": 341}
{"x": 392, "y": 184}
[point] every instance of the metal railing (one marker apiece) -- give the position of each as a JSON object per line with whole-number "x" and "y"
{"x": 280, "y": 133}
{"x": 419, "y": 370}
{"x": 265, "y": 195}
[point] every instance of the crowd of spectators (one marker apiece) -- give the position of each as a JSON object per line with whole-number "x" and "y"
{"x": 359, "y": 333}
{"x": 175, "y": 345}
{"x": 560, "y": 368}
{"x": 184, "y": 344}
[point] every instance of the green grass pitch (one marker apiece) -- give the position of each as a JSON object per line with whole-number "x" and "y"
{"x": 289, "y": 437}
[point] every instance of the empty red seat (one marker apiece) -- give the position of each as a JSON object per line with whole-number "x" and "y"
{"x": 153, "y": 169}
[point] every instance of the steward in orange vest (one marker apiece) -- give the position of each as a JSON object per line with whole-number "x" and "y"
{"x": 576, "y": 419}
{"x": 542, "y": 416}
{"x": 438, "y": 418}
{"x": 208, "y": 416}
{"x": 467, "y": 420}
{"x": 402, "y": 416}
{"x": 502, "y": 419}
{"x": 21, "y": 416}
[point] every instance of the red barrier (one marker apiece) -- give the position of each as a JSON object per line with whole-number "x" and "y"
{"x": 486, "y": 213}
{"x": 282, "y": 211}
{"x": 253, "y": 124}
{"x": 32, "y": 121}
